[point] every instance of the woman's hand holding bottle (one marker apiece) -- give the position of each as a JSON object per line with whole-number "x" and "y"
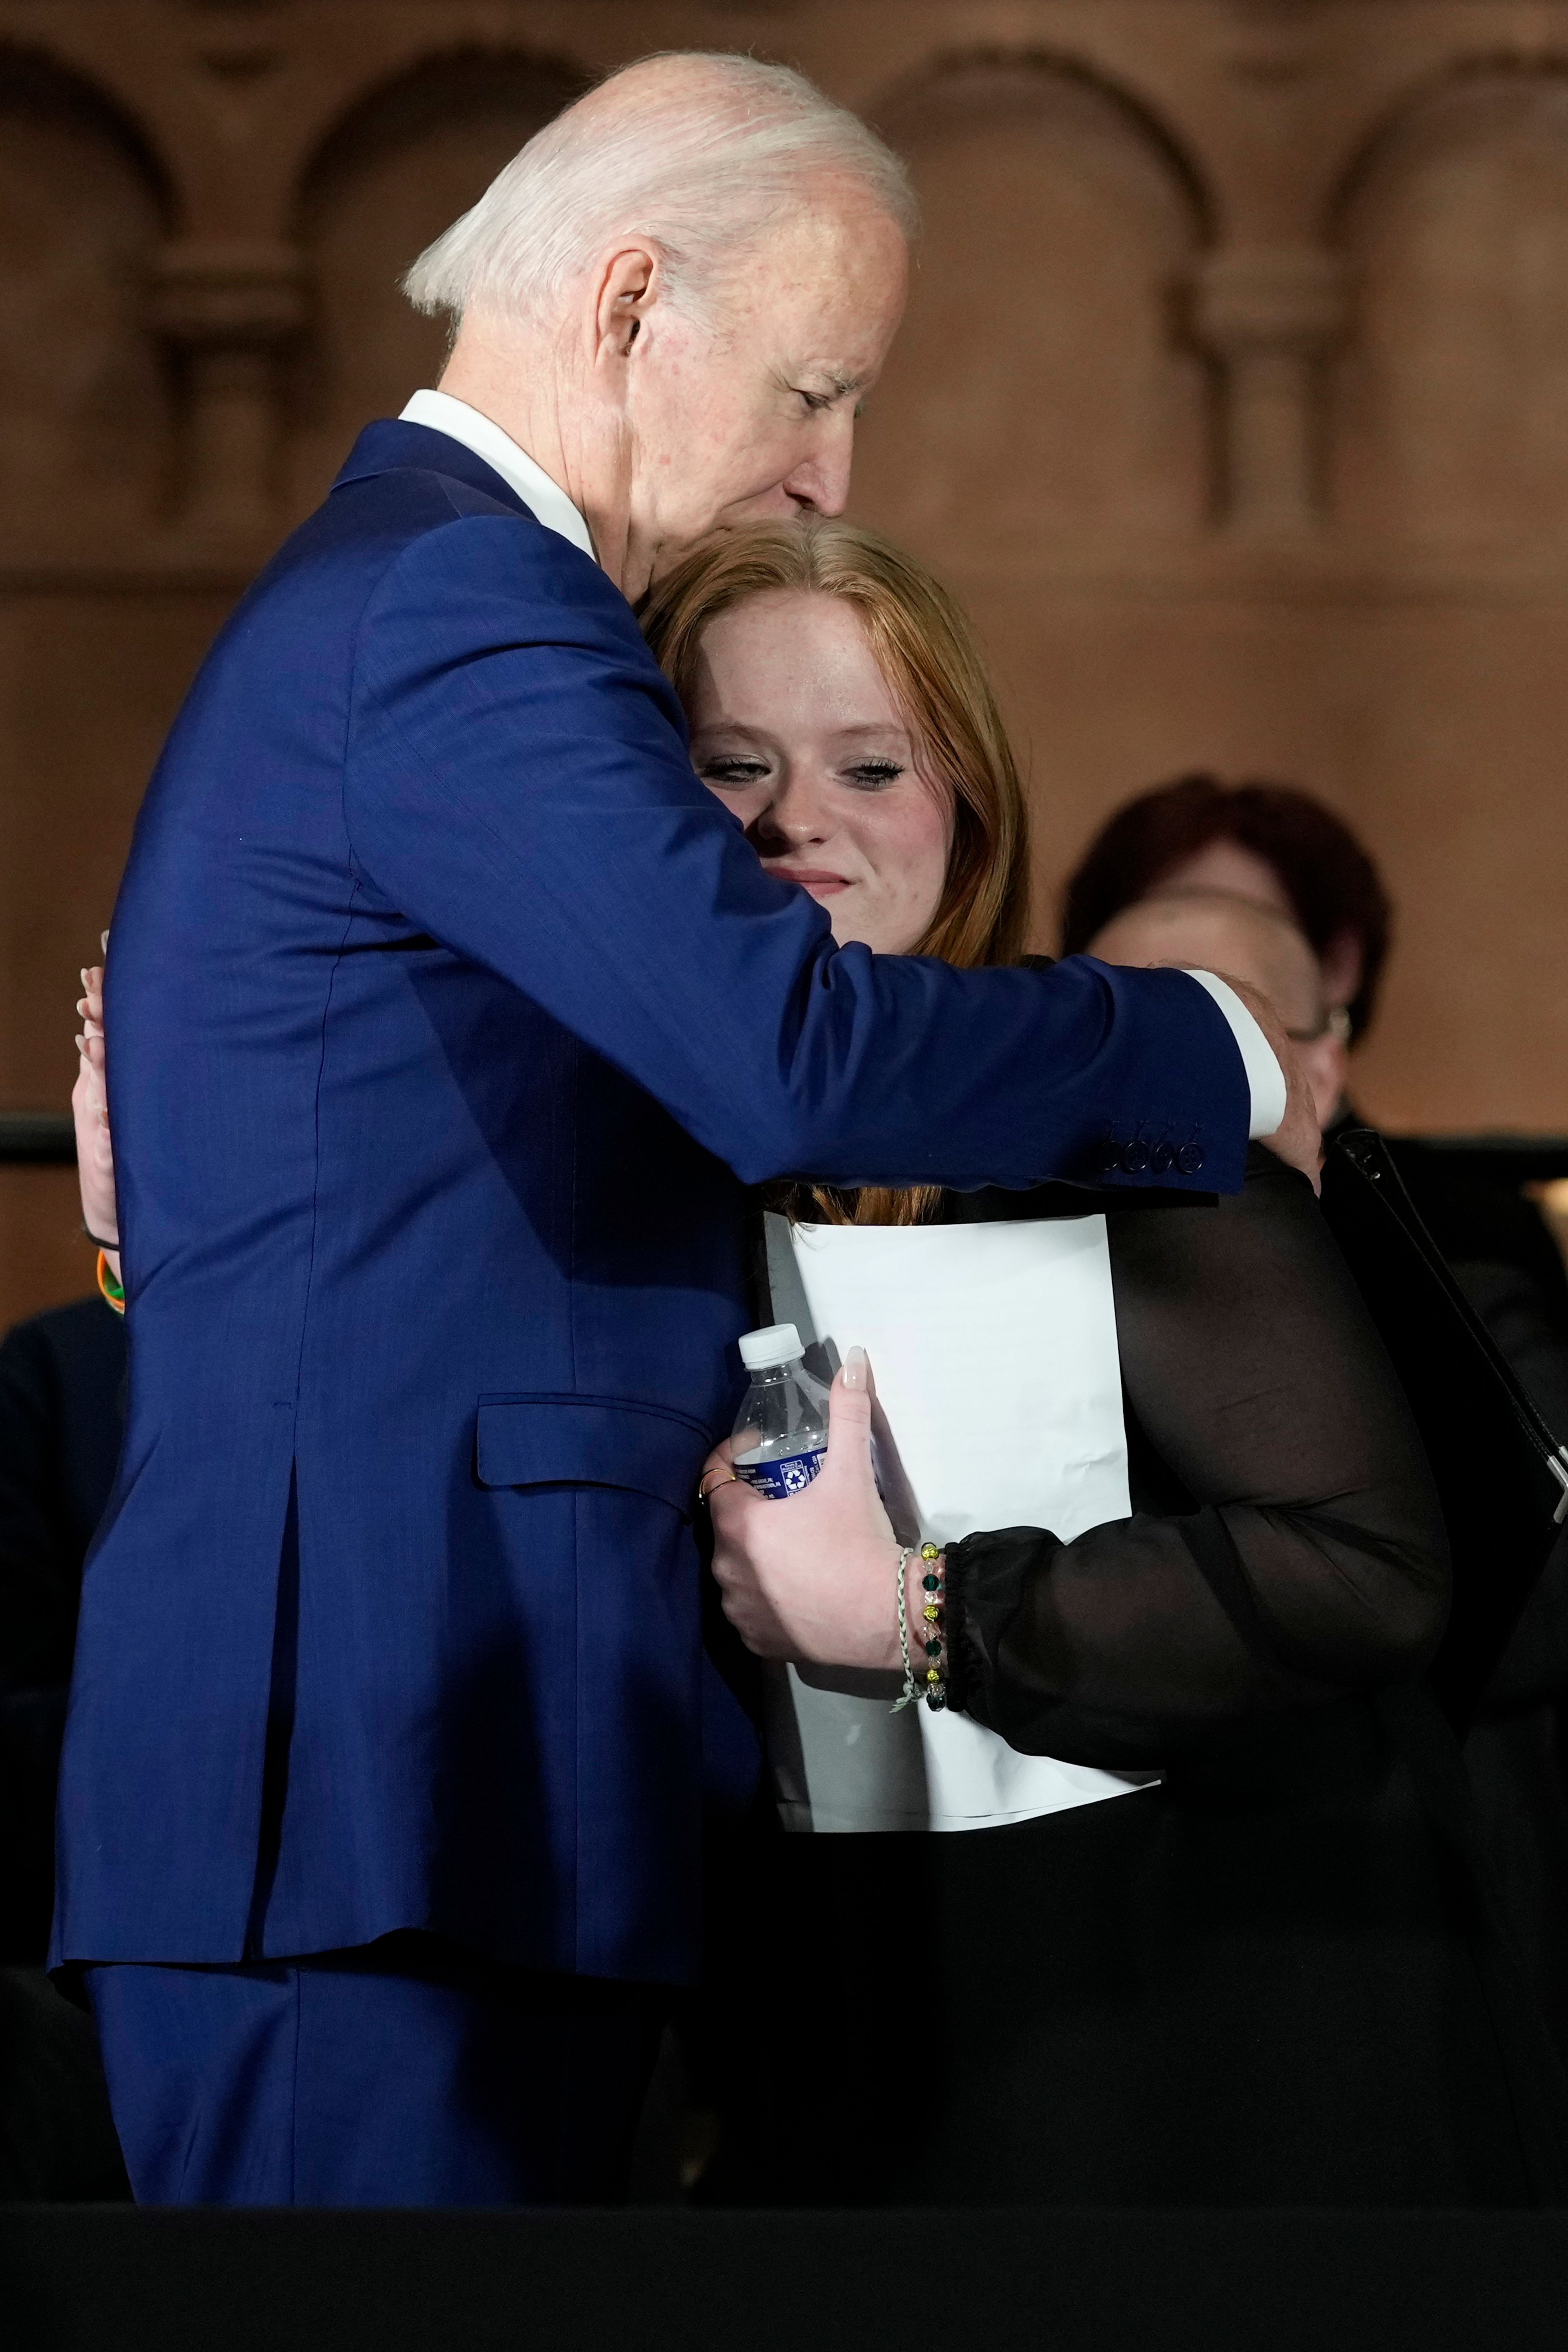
{"x": 812, "y": 1576}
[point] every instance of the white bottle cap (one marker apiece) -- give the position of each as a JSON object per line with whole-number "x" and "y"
{"x": 779, "y": 1344}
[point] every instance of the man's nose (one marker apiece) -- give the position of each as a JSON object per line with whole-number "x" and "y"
{"x": 823, "y": 480}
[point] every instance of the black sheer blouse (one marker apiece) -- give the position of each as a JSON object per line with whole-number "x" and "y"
{"x": 1276, "y": 1975}
{"x": 1285, "y": 1550}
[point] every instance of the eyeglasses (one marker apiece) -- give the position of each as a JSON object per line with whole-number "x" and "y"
{"x": 1335, "y": 1023}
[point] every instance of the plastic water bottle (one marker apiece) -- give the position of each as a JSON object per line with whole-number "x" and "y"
{"x": 781, "y": 1429}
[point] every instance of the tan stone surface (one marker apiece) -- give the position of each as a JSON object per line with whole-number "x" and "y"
{"x": 1233, "y": 396}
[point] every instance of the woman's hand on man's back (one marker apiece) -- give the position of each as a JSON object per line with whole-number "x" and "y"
{"x": 89, "y": 1109}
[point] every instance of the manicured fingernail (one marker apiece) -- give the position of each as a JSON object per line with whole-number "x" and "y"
{"x": 854, "y": 1369}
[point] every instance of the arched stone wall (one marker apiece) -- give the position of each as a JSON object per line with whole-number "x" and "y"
{"x": 405, "y": 162}
{"x": 82, "y": 212}
{"x": 1040, "y": 389}
{"x": 1454, "y": 392}
{"x": 85, "y": 452}
{"x": 1231, "y": 399}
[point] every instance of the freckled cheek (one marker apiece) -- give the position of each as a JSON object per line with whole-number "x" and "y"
{"x": 908, "y": 858}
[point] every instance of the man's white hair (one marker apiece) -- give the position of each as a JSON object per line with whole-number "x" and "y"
{"x": 697, "y": 151}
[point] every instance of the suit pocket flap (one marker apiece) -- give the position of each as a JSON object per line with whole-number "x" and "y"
{"x": 578, "y": 1441}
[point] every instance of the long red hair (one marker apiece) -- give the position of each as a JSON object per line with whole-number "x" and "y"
{"x": 925, "y": 647}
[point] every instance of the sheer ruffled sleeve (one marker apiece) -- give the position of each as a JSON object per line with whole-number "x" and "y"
{"x": 1288, "y": 1549}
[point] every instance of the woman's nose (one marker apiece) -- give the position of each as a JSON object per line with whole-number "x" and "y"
{"x": 794, "y": 816}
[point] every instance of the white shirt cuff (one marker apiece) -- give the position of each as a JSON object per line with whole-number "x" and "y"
{"x": 1258, "y": 1059}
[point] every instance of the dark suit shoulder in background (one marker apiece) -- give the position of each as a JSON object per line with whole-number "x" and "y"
{"x": 1484, "y": 1226}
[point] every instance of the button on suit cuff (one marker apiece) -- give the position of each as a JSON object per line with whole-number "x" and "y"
{"x": 1265, "y": 1078}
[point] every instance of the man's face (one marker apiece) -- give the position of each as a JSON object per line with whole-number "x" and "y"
{"x": 750, "y": 413}
{"x": 1214, "y": 928}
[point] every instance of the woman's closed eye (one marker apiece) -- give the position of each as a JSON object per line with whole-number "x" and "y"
{"x": 873, "y": 775}
{"x": 732, "y": 770}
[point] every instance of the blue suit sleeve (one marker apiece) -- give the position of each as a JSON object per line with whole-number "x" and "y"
{"x": 517, "y": 783}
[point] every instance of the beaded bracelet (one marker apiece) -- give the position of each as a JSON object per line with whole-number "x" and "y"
{"x": 931, "y": 1685}
{"x": 932, "y": 1586}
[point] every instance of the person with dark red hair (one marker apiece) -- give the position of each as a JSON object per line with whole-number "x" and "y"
{"x": 1282, "y": 848}
{"x": 1267, "y": 841}
{"x": 1189, "y": 846}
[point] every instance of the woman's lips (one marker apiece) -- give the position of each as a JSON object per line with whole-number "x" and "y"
{"x": 811, "y": 877}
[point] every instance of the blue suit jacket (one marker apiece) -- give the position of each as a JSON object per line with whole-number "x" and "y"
{"x": 448, "y": 1016}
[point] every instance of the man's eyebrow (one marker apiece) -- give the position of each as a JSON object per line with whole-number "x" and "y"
{"x": 840, "y": 385}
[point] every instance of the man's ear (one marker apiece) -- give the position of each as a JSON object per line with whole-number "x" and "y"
{"x": 1342, "y": 965}
{"x": 1326, "y": 1066}
{"x": 629, "y": 285}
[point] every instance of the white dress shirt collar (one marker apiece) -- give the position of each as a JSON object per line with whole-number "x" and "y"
{"x": 545, "y": 499}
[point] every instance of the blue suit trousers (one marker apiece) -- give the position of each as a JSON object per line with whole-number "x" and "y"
{"x": 404, "y": 2073}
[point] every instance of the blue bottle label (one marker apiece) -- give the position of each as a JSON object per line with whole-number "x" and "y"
{"x": 785, "y": 1475}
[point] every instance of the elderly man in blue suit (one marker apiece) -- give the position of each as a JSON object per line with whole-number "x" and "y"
{"x": 448, "y": 1017}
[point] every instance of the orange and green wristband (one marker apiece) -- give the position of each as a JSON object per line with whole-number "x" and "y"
{"x": 113, "y": 1292}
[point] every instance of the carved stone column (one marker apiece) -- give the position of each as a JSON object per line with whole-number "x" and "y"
{"x": 1271, "y": 317}
{"x": 230, "y": 311}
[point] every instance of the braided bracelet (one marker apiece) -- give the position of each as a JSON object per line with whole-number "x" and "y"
{"x": 931, "y": 1685}
{"x": 911, "y": 1688}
